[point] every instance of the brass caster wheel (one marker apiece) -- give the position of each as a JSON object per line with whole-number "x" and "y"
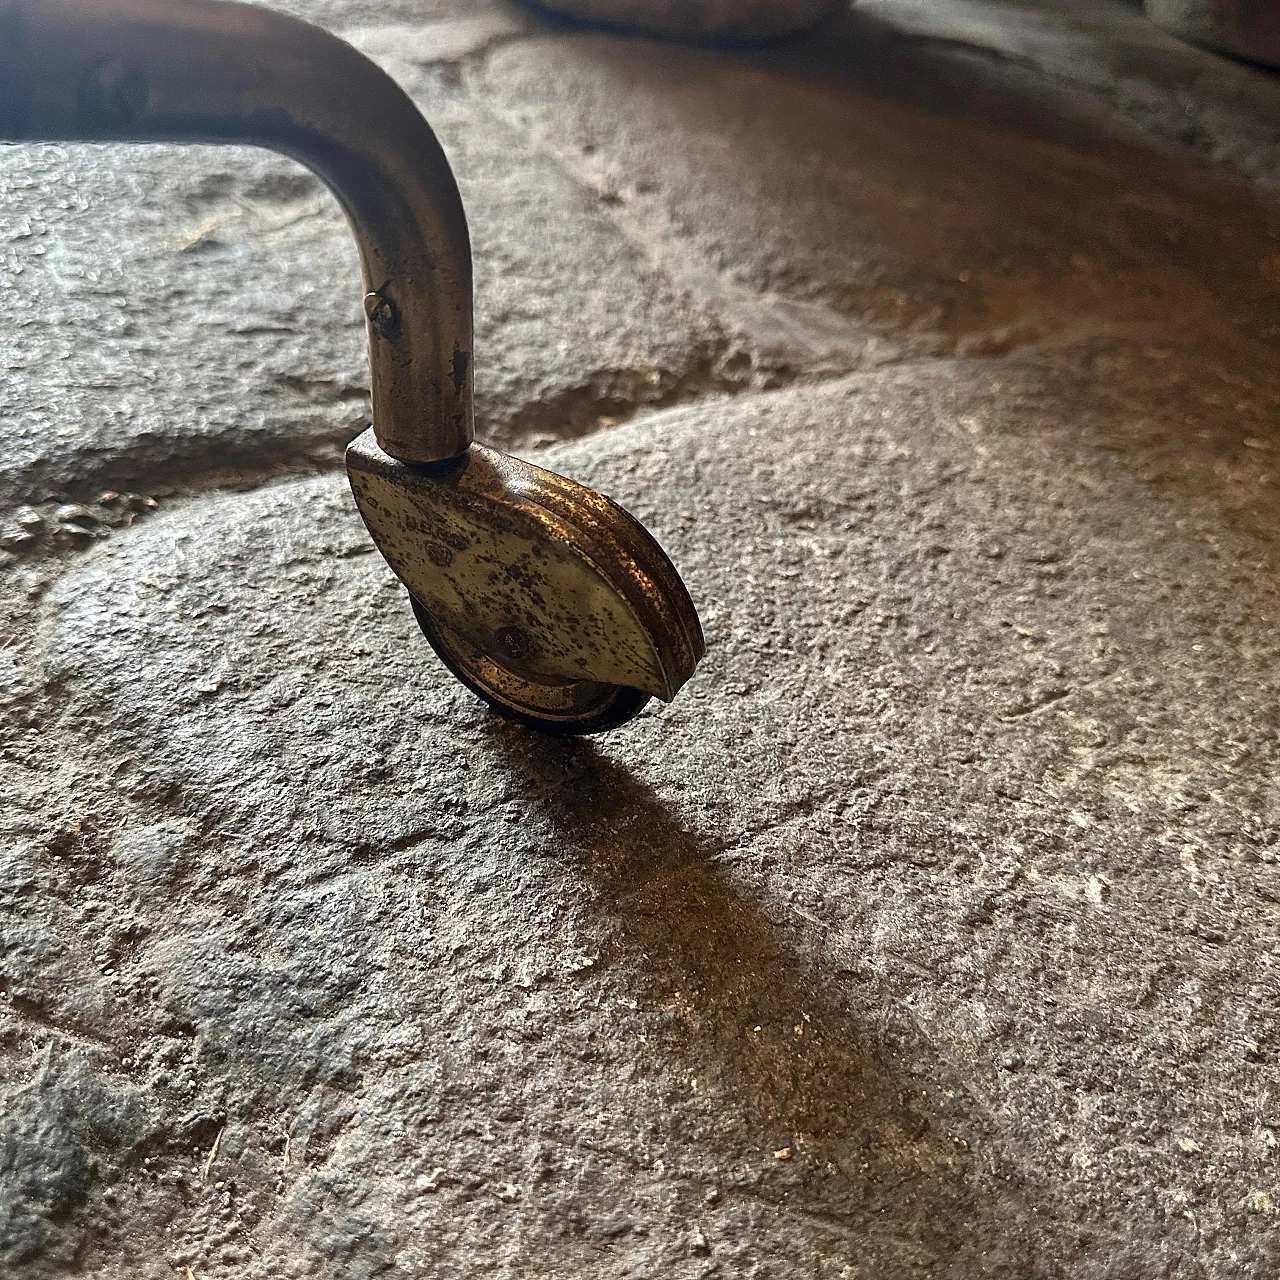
{"x": 573, "y": 707}
{"x": 545, "y": 598}
{"x": 541, "y": 595}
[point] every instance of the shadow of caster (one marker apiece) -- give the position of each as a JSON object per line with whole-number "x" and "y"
{"x": 545, "y": 598}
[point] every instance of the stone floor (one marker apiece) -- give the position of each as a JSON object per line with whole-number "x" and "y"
{"x": 935, "y": 927}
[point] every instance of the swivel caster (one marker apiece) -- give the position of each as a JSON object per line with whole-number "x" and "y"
{"x": 542, "y": 596}
{"x": 546, "y": 599}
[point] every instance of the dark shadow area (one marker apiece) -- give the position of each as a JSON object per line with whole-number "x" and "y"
{"x": 878, "y": 1136}
{"x": 566, "y": 22}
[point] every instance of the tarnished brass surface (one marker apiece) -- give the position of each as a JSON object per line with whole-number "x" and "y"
{"x": 546, "y": 598}
{"x": 554, "y": 582}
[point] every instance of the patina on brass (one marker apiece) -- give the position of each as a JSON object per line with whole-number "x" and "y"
{"x": 544, "y": 593}
{"x": 543, "y": 596}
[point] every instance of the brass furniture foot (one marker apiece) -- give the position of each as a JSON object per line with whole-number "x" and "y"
{"x": 544, "y": 597}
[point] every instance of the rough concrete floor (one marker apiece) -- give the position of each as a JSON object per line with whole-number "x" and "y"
{"x": 932, "y": 930}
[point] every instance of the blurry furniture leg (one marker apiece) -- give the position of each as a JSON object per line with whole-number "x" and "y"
{"x": 1247, "y": 28}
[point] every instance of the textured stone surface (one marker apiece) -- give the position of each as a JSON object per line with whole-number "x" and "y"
{"x": 1078, "y": 52}
{"x": 933, "y": 928}
{"x": 971, "y": 812}
{"x": 877, "y": 229}
{"x": 219, "y": 286}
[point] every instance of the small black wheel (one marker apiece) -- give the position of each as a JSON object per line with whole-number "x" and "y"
{"x": 577, "y": 707}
